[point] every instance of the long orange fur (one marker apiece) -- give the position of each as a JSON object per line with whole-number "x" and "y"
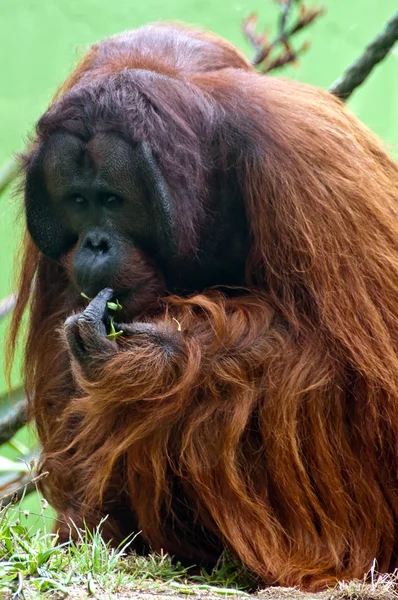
{"x": 271, "y": 429}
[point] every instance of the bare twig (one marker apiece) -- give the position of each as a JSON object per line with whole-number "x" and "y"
{"x": 7, "y": 304}
{"x": 285, "y": 9}
{"x": 375, "y": 52}
{"x": 16, "y": 495}
{"x": 8, "y": 173}
{"x": 22, "y": 490}
{"x": 10, "y": 424}
{"x": 263, "y": 48}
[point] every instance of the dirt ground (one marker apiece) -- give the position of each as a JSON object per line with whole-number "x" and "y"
{"x": 350, "y": 591}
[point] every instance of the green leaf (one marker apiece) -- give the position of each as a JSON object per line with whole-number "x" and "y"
{"x": 113, "y": 334}
{"x": 18, "y": 446}
{"x": 115, "y": 306}
{"x": 91, "y": 586}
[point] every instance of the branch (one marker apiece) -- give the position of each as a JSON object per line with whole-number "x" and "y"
{"x": 8, "y": 173}
{"x": 375, "y": 52}
{"x": 16, "y": 495}
{"x": 22, "y": 490}
{"x": 7, "y": 304}
{"x": 12, "y": 422}
{"x": 263, "y": 49}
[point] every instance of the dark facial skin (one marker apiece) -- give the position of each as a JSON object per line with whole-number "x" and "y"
{"x": 103, "y": 209}
{"x": 99, "y": 200}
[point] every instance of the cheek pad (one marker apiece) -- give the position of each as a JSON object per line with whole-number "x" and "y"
{"x": 45, "y": 223}
{"x": 45, "y": 226}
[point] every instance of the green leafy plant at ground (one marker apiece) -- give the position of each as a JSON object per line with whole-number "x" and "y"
{"x": 32, "y": 563}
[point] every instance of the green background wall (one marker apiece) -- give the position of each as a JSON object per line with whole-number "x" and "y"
{"x": 41, "y": 40}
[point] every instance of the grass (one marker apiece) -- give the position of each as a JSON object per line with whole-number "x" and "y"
{"x": 32, "y": 563}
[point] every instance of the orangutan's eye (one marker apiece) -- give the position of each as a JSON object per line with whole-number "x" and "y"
{"x": 78, "y": 199}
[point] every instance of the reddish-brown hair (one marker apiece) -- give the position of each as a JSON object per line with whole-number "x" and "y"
{"x": 270, "y": 425}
